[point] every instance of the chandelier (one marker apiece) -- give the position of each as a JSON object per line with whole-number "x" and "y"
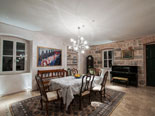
{"x": 79, "y": 44}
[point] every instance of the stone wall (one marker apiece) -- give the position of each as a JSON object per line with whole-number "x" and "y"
{"x": 138, "y": 45}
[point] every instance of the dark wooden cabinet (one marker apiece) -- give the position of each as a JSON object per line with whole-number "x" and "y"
{"x": 90, "y": 62}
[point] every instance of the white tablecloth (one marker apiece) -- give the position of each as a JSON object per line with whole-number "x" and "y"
{"x": 69, "y": 87}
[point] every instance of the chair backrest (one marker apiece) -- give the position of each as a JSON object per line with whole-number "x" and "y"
{"x": 69, "y": 72}
{"x": 47, "y": 75}
{"x": 92, "y": 71}
{"x": 74, "y": 71}
{"x": 87, "y": 81}
{"x": 41, "y": 88}
{"x": 98, "y": 71}
{"x": 103, "y": 72}
{"x": 55, "y": 73}
{"x": 104, "y": 80}
{"x": 95, "y": 71}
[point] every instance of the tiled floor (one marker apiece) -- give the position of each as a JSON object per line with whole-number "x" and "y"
{"x": 7, "y": 100}
{"x": 136, "y": 102}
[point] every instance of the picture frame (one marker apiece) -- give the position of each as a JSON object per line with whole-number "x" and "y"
{"x": 47, "y": 57}
{"x": 128, "y": 54}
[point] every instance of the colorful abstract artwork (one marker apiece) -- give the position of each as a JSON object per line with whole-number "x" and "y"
{"x": 49, "y": 57}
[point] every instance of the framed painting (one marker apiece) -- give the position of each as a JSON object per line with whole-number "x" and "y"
{"x": 49, "y": 57}
{"x": 127, "y": 54}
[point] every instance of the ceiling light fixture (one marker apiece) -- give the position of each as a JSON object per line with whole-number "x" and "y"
{"x": 79, "y": 45}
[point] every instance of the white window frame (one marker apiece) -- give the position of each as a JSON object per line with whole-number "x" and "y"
{"x": 14, "y": 40}
{"x": 107, "y": 50}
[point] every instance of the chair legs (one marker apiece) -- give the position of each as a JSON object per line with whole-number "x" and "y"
{"x": 89, "y": 97}
{"x": 80, "y": 105}
{"x": 41, "y": 102}
{"x": 106, "y": 95}
{"x": 101, "y": 94}
{"x": 61, "y": 104}
{"x": 80, "y": 100}
{"x": 46, "y": 104}
{"x": 46, "y": 108}
{"x": 104, "y": 91}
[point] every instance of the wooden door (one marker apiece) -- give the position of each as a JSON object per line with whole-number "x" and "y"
{"x": 150, "y": 64}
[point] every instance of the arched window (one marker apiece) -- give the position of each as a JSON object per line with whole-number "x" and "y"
{"x": 13, "y": 54}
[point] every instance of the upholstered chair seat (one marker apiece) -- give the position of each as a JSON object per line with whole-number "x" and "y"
{"x": 97, "y": 88}
{"x": 85, "y": 93}
{"x": 52, "y": 95}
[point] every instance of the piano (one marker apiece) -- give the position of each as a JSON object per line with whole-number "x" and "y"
{"x": 130, "y": 72}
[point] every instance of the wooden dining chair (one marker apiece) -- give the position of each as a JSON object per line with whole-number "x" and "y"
{"x": 95, "y": 71}
{"x": 92, "y": 71}
{"x": 101, "y": 88}
{"x": 46, "y": 97}
{"x": 86, "y": 87}
{"x": 74, "y": 71}
{"x": 98, "y": 72}
{"x": 69, "y": 72}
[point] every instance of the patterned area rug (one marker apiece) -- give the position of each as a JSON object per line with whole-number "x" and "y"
{"x": 31, "y": 106}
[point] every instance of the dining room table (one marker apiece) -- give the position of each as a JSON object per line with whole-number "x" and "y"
{"x": 70, "y": 86}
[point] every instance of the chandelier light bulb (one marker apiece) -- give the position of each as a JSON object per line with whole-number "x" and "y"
{"x": 70, "y": 47}
{"x": 85, "y": 42}
{"x": 76, "y": 48}
{"x": 74, "y": 41}
{"x": 87, "y": 47}
{"x": 82, "y": 51}
{"x": 71, "y": 39}
{"x": 82, "y": 38}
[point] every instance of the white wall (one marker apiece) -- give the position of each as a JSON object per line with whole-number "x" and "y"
{"x": 14, "y": 83}
{"x": 19, "y": 82}
{"x": 46, "y": 42}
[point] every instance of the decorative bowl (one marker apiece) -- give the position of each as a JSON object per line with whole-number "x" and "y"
{"x": 77, "y": 76}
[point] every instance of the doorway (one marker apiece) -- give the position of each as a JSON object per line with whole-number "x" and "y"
{"x": 150, "y": 64}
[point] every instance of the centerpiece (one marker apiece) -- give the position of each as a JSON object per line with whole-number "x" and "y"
{"x": 77, "y": 76}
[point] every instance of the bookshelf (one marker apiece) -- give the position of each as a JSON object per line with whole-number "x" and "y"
{"x": 72, "y": 59}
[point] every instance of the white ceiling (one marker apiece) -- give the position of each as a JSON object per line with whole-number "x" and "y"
{"x": 100, "y": 20}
